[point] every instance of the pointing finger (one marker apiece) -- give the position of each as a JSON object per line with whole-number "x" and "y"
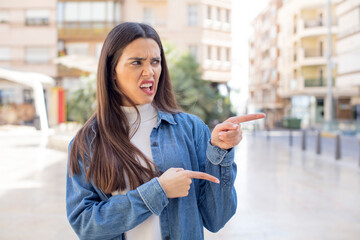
{"x": 202, "y": 175}
{"x": 246, "y": 118}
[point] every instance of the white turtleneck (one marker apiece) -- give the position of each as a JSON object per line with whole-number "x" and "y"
{"x": 150, "y": 228}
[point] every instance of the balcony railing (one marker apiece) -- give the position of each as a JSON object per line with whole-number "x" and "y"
{"x": 84, "y": 30}
{"x": 317, "y": 23}
{"x": 313, "y": 23}
{"x": 313, "y": 52}
{"x": 317, "y": 82}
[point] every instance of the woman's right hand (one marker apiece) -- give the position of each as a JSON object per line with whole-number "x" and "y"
{"x": 176, "y": 181}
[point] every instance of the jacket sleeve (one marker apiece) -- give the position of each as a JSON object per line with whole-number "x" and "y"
{"x": 217, "y": 202}
{"x": 94, "y": 218}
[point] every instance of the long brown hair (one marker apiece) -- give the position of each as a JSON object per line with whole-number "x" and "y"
{"x": 112, "y": 155}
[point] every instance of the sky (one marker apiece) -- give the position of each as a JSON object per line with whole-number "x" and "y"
{"x": 242, "y": 15}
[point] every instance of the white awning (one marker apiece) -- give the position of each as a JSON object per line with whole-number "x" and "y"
{"x": 83, "y": 63}
{"x": 36, "y": 81}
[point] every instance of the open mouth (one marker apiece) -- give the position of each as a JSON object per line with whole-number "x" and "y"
{"x": 147, "y": 88}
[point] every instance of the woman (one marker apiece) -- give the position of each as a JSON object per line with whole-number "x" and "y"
{"x": 131, "y": 165}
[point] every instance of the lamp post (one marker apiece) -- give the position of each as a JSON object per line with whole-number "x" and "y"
{"x": 329, "y": 67}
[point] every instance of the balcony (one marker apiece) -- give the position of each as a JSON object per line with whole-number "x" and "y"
{"x": 317, "y": 82}
{"x": 311, "y": 57}
{"x": 313, "y": 23}
{"x": 84, "y": 30}
{"x": 315, "y": 27}
{"x": 313, "y": 52}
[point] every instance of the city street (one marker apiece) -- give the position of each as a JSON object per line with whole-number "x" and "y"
{"x": 283, "y": 192}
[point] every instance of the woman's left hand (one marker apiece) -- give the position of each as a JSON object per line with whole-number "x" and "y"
{"x": 228, "y": 134}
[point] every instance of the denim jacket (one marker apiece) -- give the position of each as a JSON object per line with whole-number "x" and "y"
{"x": 181, "y": 141}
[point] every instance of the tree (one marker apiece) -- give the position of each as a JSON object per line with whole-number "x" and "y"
{"x": 194, "y": 94}
{"x": 81, "y": 102}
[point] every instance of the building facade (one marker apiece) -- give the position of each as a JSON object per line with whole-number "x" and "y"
{"x": 348, "y": 55}
{"x": 263, "y": 67}
{"x": 28, "y": 43}
{"x": 202, "y": 27}
{"x": 303, "y": 61}
{"x": 37, "y": 32}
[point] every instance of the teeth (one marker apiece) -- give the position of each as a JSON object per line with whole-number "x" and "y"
{"x": 146, "y": 85}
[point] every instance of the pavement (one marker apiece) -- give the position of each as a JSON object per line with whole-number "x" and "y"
{"x": 283, "y": 192}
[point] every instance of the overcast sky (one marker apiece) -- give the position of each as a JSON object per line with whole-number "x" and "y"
{"x": 242, "y": 15}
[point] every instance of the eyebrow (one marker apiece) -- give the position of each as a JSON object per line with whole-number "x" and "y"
{"x": 140, "y": 58}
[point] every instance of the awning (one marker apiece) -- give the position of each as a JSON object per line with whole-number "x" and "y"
{"x": 83, "y": 63}
{"x": 36, "y": 81}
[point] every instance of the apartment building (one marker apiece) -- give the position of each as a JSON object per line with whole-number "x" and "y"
{"x": 82, "y": 27}
{"x": 303, "y": 59}
{"x": 28, "y": 43}
{"x": 36, "y": 32}
{"x": 263, "y": 69}
{"x": 348, "y": 55}
{"x": 202, "y": 27}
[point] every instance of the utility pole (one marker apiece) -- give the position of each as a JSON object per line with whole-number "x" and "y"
{"x": 329, "y": 67}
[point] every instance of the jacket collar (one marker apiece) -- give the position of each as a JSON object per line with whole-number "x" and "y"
{"x": 165, "y": 116}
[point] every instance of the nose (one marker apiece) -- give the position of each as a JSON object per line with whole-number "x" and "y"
{"x": 148, "y": 70}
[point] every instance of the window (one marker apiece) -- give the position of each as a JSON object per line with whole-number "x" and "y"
{"x": 110, "y": 11}
{"x": 4, "y": 54}
{"x": 148, "y": 16}
{"x": 7, "y": 96}
{"x": 192, "y": 15}
{"x": 209, "y": 12}
{"x": 88, "y": 11}
{"x": 4, "y": 16}
{"x": 273, "y": 31}
{"x": 37, "y": 17}
{"x": 77, "y": 49}
{"x": 98, "y": 11}
{"x": 228, "y": 55}
{"x": 218, "y": 53}
{"x": 218, "y": 14}
{"x": 71, "y": 11}
{"x": 209, "y": 52}
{"x": 227, "y": 16}
{"x": 35, "y": 55}
{"x": 98, "y": 48}
{"x": 28, "y": 96}
{"x": 117, "y": 13}
{"x": 84, "y": 15}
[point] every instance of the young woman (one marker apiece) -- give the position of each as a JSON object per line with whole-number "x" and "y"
{"x": 140, "y": 168}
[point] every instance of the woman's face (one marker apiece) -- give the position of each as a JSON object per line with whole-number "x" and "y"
{"x": 138, "y": 71}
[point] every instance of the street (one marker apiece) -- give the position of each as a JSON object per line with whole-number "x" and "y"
{"x": 283, "y": 192}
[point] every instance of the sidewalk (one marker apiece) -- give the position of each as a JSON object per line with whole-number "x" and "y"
{"x": 287, "y": 194}
{"x": 283, "y": 193}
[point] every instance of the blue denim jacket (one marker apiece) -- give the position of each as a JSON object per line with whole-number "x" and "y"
{"x": 181, "y": 141}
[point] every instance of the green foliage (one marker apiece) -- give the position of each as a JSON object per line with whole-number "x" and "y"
{"x": 81, "y": 101}
{"x": 193, "y": 94}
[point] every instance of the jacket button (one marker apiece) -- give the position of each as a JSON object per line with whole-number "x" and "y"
{"x": 154, "y": 144}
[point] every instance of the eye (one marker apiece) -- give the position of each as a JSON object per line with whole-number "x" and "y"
{"x": 136, "y": 63}
{"x": 156, "y": 62}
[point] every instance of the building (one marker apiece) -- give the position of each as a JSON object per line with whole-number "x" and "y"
{"x": 303, "y": 61}
{"x": 263, "y": 69}
{"x": 28, "y": 43}
{"x": 37, "y": 33}
{"x": 348, "y": 55}
{"x": 202, "y": 27}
